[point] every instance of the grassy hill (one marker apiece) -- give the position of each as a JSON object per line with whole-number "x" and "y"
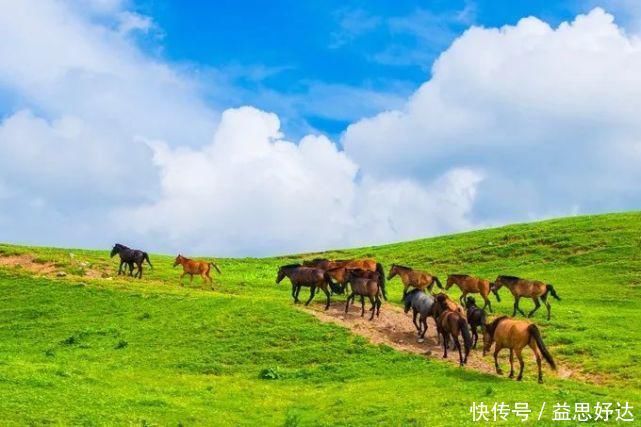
{"x": 90, "y": 348}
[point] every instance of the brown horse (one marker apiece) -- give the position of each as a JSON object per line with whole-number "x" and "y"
{"x": 364, "y": 287}
{"x": 413, "y": 278}
{"x": 310, "y": 277}
{"x": 472, "y": 285}
{"x": 526, "y": 288}
{"x": 515, "y": 335}
{"x": 452, "y": 324}
{"x": 449, "y": 304}
{"x": 192, "y": 267}
{"x": 324, "y": 263}
{"x": 341, "y": 274}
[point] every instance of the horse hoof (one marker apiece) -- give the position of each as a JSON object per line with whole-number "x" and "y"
{"x": 511, "y": 375}
{"x": 519, "y": 378}
{"x": 540, "y": 380}
{"x": 499, "y": 372}
{"x": 420, "y": 340}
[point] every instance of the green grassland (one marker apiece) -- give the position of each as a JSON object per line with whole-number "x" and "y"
{"x": 95, "y": 351}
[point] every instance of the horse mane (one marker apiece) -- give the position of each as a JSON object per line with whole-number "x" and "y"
{"x": 510, "y": 278}
{"x": 459, "y": 275}
{"x": 290, "y": 266}
{"x": 402, "y": 267}
{"x": 120, "y": 245}
{"x": 492, "y": 326}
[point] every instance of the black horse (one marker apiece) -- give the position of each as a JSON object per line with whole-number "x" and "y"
{"x": 476, "y": 317}
{"x": 130, "y": 257}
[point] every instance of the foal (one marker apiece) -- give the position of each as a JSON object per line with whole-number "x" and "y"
{"x": 364, "y": 287}
{"x": 192, "y": 267}
{"x": 476, "y": 317}
{"x": 452, "y": 323}
{"x": 515, "y": 335}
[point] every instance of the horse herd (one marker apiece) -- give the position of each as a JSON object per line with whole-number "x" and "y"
{"x": 366, "y": 278}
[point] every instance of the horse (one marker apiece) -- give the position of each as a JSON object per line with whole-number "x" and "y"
{"x": 452, "y": 324}
{"x": 324, "y": 263}
{"x": 364, "y": 287}
{"x": 476, "y": 317}
{"x": 340, "y": 275}
{"x": 472, "y": 285}
{"x": 421, "y": 305}
{"x": 130, "y": 257}
{"x": 192, "y": 267}
{"x": 515, "y": 335}
{"x": 414, "y": 278}
{"x": 450, "y": 304}
{"x": 310, "y": 277}
{"x": 526, "y": 288}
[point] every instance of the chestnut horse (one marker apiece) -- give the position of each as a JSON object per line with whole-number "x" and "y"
{"x": 192, "y": 267}
{"x": 313, "y": 278}
{"x": 472, "y": 285}
{"x": 526, "y": 288}
{"x": 452, "y": 324}
{"x": 364, "y": 287}
{"x": 515, "y": 335}
{"x": 413, "y": 278}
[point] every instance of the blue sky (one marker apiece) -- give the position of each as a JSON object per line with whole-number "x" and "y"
{"x": 253, "y": 128}
{"x": 291, "y": 50}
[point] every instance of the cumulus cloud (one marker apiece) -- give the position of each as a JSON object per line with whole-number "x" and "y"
{"x": 549, "y": 115}
{"x": 104, "y": 143}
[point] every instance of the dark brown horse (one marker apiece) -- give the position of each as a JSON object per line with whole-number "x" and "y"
{"x": 192, "y": 267}
{"x": 324, "y": 263}
{"x": 414, "y": 278}
{"x": 130, "y": 257}
{"x": 472, "y": 285}
{"x": 452, "y": 324}
{"x": 364, "y": 287}
{"x": 505, "y": 332}
{"x": 526, "y": 288}
{"x": 340, "y": 275}
{"x": 476, "y": 317}
{"x": 301, "y": 276}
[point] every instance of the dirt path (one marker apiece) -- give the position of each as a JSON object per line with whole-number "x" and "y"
{"x": 395, "y": 329}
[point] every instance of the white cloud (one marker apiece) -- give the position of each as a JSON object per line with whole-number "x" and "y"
{"x": 548, "y": 114}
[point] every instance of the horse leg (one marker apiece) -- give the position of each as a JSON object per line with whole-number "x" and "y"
{"x": 496, "y": 359}
{"x": 374, "y": 304}
{"x": 487, "y": 304}
{"x": 458, "y": 347}
{"x": 462, "y": 298}
{"x": 362, "y": 306}
{"x": 446, "y": 340}
{"x": 424, "y": 326}
{"x": 378, "y": 306}
{"x": 475, "y": 335}
{"x": 522, "y": 365}
{"x": 538, "y": 360}
{"x": 351, "y": 296}
{"x": 516, "y": 306}
{"x": 140, "y": 270}
{"x": 544, "y": 298}
{"x": 418, "y": 328}
{"x": 312, "y": 292}
{"x": 537, "y": 304}
{"x": 511, "y": 363}
{"x": 327, "y": 295}
{"x": 120, "y": 267}
{"x": 181, "y": 279}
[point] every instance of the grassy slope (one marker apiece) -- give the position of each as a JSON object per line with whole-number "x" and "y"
{"x": 84, "y": 351}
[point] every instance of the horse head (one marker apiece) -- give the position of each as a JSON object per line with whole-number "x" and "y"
{"x": 179, "y": 260}
{"x": 393, "y": 271}
{"x": 470, "y": 302}
{"x": 116, "y": 249}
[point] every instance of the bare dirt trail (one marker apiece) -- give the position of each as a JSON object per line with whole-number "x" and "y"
{"x": 395, "y": 329}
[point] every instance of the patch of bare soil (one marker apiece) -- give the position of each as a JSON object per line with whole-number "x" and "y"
{"x": 395, "y": 329}
{"x": 28, "y": 263}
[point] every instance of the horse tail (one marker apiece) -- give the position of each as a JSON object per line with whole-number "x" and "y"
{"x": 213, "y": 264}
{"x": 438, "y": 282}
{"x": 467, "y": 336}
{"x": 335, "y": 287}
{"x": 534, "y": 332}
{"x": 145, "y": 257}
{"x": 483, "y": 319}
{"x": 381, "y": 275}
{"x": 550, "y": 289}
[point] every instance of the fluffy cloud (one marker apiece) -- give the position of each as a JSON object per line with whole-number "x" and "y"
{"x": 549, "y": 115}
{"x": 251, "y": 191}
{"x": 102, "y": 142}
